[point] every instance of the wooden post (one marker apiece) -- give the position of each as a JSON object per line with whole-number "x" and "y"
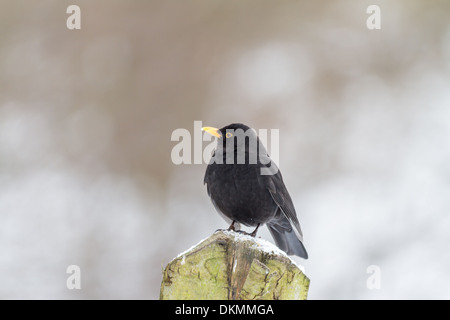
{"x": 231, "y": 266}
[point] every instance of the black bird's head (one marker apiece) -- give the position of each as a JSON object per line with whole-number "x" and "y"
{"x": 236, "y": 140}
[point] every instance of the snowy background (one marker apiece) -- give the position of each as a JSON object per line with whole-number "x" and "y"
{"x": 86, "y": 118}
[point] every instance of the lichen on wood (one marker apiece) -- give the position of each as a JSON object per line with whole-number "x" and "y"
{"x": 230, "y": 266}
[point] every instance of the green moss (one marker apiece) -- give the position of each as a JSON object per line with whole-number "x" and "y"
{"x": 221, "y": 267}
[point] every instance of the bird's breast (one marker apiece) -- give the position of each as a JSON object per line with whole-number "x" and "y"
{"x": 238, "y": 193}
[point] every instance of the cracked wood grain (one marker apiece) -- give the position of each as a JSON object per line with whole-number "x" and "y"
{"x": 224, "y": 267}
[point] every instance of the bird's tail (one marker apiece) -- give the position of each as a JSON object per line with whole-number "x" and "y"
{"x": 286, "y": 239}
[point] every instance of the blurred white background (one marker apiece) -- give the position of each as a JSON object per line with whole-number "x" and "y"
{"x": 86, "y": 118}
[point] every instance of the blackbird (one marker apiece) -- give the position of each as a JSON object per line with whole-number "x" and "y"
{"x": 247, "y": 188}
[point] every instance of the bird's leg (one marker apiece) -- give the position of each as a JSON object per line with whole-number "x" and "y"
{"x": 231, "y": 228}
{"x": 253, "y": 234}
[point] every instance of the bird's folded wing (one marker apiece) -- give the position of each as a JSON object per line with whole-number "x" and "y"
{"x": 282, "y": 198}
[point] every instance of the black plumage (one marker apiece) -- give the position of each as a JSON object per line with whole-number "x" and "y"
{"x": 243, "y": 193}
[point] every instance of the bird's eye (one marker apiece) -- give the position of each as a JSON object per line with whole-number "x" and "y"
{"x": 228, "y": 135}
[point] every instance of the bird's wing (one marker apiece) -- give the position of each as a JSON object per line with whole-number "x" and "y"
{"x": 280, "y": 195}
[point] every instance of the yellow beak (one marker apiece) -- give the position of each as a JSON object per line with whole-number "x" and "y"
{"x": 213, "y": 131}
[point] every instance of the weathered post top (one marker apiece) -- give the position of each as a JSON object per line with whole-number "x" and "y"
{"x": 229, "y": 266}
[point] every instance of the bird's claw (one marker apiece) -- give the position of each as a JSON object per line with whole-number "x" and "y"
{"x": 232, "y": 228}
